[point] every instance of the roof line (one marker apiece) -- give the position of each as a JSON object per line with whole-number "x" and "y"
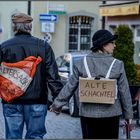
{"x": 114, "y": 4}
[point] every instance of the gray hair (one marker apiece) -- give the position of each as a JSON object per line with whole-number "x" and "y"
{"x": 23, "y": 27}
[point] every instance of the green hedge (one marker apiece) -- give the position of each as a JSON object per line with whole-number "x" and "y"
{"x": 138, "y": 74}
{"x": 125, "y": 50}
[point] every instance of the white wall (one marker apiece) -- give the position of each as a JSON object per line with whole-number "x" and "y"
{"x": 59, "y": 36}
{"x": 38, "y": 7}
{"x": 7, "y": 8}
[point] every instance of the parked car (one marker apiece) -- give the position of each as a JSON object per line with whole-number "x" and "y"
{"x": 65, "y": 66}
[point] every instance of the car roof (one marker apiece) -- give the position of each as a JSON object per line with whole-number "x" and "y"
{"x": 81, "y": 53}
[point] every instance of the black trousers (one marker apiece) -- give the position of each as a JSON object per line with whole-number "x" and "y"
{"x": 100, "y": 128}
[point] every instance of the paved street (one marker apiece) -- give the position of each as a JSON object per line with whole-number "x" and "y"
{"x": 64, "y": 126}
{"x": 61, "y": 127}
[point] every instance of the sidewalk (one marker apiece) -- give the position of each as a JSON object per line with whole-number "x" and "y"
{"x": 70, "y": 123}
{"x": 135, "y": 133}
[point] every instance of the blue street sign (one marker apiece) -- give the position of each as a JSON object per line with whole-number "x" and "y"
{"x": 48, "y": 17}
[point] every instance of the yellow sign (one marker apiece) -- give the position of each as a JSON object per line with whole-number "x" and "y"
{"x": 119, "y": 10}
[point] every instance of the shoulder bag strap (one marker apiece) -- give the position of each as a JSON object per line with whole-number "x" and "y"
{"x": 88, "y": 72}
{"x": 42, "y": 48}
{"x": 86, "y": 67}
{"x": 108, "y": 73}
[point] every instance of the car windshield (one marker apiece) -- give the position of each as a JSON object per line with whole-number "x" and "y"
{"x": 74, "y": 59}
{"x": 63, "y": 63}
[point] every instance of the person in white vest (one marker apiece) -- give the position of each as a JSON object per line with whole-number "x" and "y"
{"x": 99, "y": 120}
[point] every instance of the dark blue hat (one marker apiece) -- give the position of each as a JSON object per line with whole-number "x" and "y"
{"x": 102, "y": 37}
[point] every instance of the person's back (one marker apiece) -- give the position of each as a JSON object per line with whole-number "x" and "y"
{"x": 96, "y": 117}
{"x": 31, "y": 107}
{"x": 20, "y": 47}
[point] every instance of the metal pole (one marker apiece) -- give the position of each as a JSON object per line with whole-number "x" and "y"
{"x": 29, "y": 7}
{"x": 128, "y": 135}
{"x": 103, "y": 18}
{"x": 47, "y": 6}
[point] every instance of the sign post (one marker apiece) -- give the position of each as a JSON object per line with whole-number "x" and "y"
{"x": 48, "y": 37}
{"x": 47, "y": 27}
{"x": 48, "y": 17}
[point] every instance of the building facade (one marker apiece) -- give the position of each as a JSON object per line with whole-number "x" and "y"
{"x": 125, "y": 12}
{"x": 67, "y": 25}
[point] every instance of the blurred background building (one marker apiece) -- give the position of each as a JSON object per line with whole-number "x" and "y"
{"x": 69, "y": 25}
{"x": 123, "y": 12}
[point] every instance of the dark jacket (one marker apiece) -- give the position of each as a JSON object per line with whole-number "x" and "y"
{"x": 22, "y": 46}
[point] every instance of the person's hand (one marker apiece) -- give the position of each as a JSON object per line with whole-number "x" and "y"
{"x": 51, "y": 109}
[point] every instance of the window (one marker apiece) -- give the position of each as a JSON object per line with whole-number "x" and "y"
{"x": 80, "y": 33}
{"x": 137, "y": 52}
{"x": 63, "y": 63}
{"x": 137, "y": 44}
{"x": 138, "y": 32}
{"x": 112, "y": 28}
